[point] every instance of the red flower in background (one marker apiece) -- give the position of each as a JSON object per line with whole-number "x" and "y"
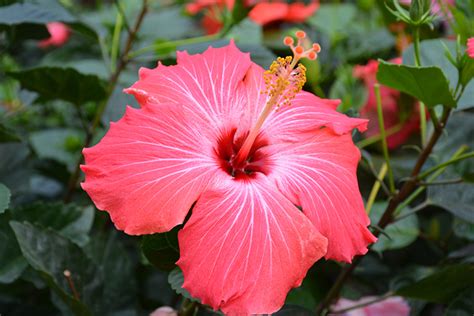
{"x": 266, "y": 12}
{"x": 263, "y": 12}
{"x": 207, "y": 135}
{"x": 470, "y": 47}
{"x": 59, "y": 35}
{"x": 390, "y": 105}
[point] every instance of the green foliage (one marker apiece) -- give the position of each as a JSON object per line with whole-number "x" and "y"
{"x": 162, "y": 250}
{"x": 69, "y": 84}
{"x": 4, "y": 198}
{"x": 176, "y": 280}
{"x": 428, "y": 84}
{"x": 399, "y": 234}
{"x": 441, "y": 286}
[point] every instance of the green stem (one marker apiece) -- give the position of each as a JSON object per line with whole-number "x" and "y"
{"x": 173, "y": 44}
{"x": 116, "y": 42}
{"x": 447, "y": 163}
{"x": 375, "y": 188}
{"x": 123, "y": 61}
{"x": 357, "y": 306}
{"x": 391, "y": 181}
{"x": 435, "y": 174}
{"x": 376, "y": 138}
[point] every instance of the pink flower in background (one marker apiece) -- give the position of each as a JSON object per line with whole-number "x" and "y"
{"x": 164, "y": 311}
{"x": 436, "y": 8}
{"x": 390, "y": 106}
{"x": 393, "y": 306}
{"x": 470, "y": 47}
{"x": 262, "y": 12}
{"x": 59, "y": 35}
{"x": 199, "y": 139}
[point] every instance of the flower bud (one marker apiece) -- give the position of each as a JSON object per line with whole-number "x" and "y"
{"x": 419, "y": 8}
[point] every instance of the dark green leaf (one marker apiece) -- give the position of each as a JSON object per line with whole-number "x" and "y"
{"x": 176, "y": 280}
{"x": 162, "y": 250}
{"x": 69, "y": 220}
{"x": 51, "y": 255}
{"x": 67, "y": 84}
{"x": 12, "y": 262}
{"x": 4, "y": 198}
{"x": 441, "y": 286}
{"x": 19, "y": 13}
{"x": 292, "y": 310}
{"x": 7, "y": 135}
{"x": 427, "y": 84}
{"x": 114, "y": 262}
{"x": 59, "y": 144}
{"x": 455, "y": 198}
{"x": 401, "y": 233}
{"x": 463, "y": 305}
{"x": 463, "y": 229}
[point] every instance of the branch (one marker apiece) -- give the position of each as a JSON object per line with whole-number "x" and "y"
{"x": 123, "y": 61}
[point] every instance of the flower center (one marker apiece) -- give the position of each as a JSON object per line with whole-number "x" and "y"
{"x": 283, "y": 81}
{"x": 228, "y": 145}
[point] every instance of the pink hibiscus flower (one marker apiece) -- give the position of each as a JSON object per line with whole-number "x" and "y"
{"x": 263, "y": 12}
{"x": 207, "y": 135}
{"x": 470, "y": 47}
{"x": 390, "y": 106}
{"x": 393, "y": 306}
{"x": 59, "y": 35}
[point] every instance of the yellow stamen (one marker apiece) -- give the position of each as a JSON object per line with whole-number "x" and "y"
{"x": 283, "y": 80}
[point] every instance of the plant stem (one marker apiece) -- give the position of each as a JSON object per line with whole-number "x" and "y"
{"x": 357, "y": 306}
{"x": 388, "y": 216}
{"x": 454, "y": 159}
{"x": 375, "y": 188}
{"x": 122, "y": 63}
{"x": 376, "y": 138}
{"x": 116, "y": 41}
{"x": 391, "y": 181}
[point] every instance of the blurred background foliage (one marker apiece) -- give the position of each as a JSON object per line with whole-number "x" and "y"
{"x": 55, "y": 100}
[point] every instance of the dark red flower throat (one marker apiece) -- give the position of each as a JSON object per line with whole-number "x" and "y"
{"x": 228, "y": 145}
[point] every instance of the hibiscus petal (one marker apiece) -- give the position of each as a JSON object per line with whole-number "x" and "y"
{"x": 264, "y": 12}
{"x": 307, "y": 114}
{"x": 149, "y": 168}
{"x": 204, "y": 83}
{"x": 298, "y": 12}
{"x": 320, "y": 176}
{"x": 245, "y": 246}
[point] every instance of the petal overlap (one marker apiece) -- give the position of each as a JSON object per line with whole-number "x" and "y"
{"x": 245, "y": 246}
{"x": 320, "y": 176}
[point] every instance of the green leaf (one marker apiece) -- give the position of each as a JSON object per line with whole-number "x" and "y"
{"x": 59, "y": 144}
{"x": 69, "y": 220}
{"x": 463, "y": 229}
{"x": 176, "y": 280}
{"x": 7, "y": 135}
{"x": 401, "y": 233}
{"x": 351, "y": 92}
{"x": 51, "y": 255}
{"x": 427, "y": 84}
{"x": 433, "y": 53}
{"x": 334, "y": 19}
{"x": 162, "y": 250}
{"x": 4, "y": 198}
{"x": 441, "y": 286}
{"x": 463, "y": 305}
{"x": 455, "y": 198}
{"x": 52, "y": 83}
{"x": 19, "y": 13}
{"x": 120, "y": 286}
{"x": 12, "y": 262}
{"x": 246, "y": 32}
